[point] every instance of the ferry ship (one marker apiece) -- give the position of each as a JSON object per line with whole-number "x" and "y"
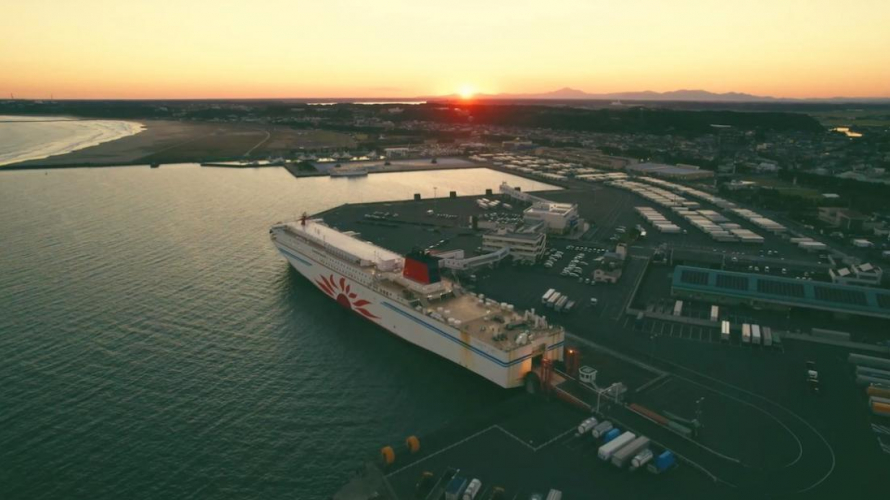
{"x": 408, "y": 296}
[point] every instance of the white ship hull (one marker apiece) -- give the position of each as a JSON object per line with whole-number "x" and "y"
{"x": 342, "y": 283}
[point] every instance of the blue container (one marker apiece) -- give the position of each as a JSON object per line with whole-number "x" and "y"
{"x": 665, "y": 461}
{"x": 455, "y": 488}
{"x": 614, "y": 433}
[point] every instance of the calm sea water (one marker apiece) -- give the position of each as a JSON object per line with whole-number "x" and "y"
{"x": 154, "y": 344}
{"x": 25, "y": 138}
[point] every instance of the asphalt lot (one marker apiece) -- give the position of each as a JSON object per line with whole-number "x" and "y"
{"x": 768, "y": 435}
{"x": 538, "y": 450}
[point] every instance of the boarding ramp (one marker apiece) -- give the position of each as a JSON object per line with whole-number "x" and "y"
{"x": 519, "y": 195}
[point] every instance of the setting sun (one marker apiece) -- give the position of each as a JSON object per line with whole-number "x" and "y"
{"x": 466, "y": 91}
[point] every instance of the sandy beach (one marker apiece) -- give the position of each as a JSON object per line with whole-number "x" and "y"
{"x": 165, "y": 141}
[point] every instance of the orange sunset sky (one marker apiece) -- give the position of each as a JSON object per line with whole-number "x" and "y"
{"x": 396, "y": 48}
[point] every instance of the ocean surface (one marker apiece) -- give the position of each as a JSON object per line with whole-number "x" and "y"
{"x": 25, "y": 138}
{"x": 156, "y": 346}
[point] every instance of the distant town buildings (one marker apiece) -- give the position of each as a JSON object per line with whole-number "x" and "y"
{"x": 842, "y": 218}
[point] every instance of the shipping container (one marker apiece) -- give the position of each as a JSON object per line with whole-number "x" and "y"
{"x": 587, "y": 425}
{"x": 880, "y": 409}
{"x": 621, "y": 457}
{"x": 678, "y": 308}
{"x": 472, "y": 489}
{"x": 873, "y": 372}
{"x": 746, "y": 333}
{"x": 767, "y": 336}
{"x": 878, "y": 399}
{"x": 455, "y": 488}
{"x": 724, "y": 331}
{"x": 607, "y": 450}
{"x": 642, "y": 458}
{"x": 663, "y": 462}
{"x": 553, "y": 298}
{"x": 547, "y": 295}
{"x": 875, "y": 390}
{"x": 872, "y": 361}
{"x": 755, "y": 334}
{"x": 612, "y": 434}
{"x": 601, "y": 429}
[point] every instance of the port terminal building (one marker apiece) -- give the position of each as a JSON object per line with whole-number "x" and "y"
{"x": 731, "y": 287}
{"x": 558, "y": 218}
{"x": 527, "y": 242}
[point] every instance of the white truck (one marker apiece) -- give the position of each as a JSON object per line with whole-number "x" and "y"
{"x": 746, "y": 333}
{"x": 755, "y": 334}
{"x": 587, "y": 425}
{"x": 607, "y": 450}
{"x": 553, "y": 299}
{"x": 715, "y": 313}
{"x": 621, "y": 457}
{"x": 642, "y": 458}
{"x": 678, "y": 308}
{"x": 724, "y": 331}
{"x": 601, "y": 429}
{"x": 547, "y": 295}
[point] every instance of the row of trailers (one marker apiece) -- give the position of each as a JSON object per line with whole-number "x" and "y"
{"x": 557, "y": 301}
{"x": 874, "y": 373}
{"x": 751, "y": 334}
{"x": 625, "y": 448}
{"x": 754, "y": 334}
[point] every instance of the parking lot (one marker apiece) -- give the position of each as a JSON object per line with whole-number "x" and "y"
{"x": 538, "y": 450}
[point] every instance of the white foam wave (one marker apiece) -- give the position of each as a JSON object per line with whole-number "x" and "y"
{"x": 29, "y": 138}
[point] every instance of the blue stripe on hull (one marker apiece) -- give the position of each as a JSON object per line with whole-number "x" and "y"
{"x": 298, "y": 259}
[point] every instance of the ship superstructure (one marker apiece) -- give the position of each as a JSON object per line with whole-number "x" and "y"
{"x": 407, "y": 296}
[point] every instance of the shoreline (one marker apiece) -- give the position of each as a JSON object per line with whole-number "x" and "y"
{"x": 169, "y": 141}
{"x": 67, "y": 136}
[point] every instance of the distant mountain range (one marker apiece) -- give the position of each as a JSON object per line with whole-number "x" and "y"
{"x": 567, "y": 93}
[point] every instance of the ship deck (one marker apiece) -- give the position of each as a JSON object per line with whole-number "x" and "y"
{"x": 479, "y": 319}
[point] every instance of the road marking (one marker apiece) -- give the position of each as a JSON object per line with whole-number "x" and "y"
{"x": 443, "y": 450}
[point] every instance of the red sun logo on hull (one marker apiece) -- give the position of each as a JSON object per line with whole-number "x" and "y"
{"x": 341, "y": 292}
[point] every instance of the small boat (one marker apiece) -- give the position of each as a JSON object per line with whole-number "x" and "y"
{"x": 155, "y": 165}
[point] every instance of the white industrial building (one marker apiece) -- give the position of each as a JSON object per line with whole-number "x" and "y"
{"x": 558, "y": 218}
{"x": 525, "y": 243}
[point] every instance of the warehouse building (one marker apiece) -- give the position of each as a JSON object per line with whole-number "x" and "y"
{"x": 783, "y": 293}
{"x": 678, "y": 172}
